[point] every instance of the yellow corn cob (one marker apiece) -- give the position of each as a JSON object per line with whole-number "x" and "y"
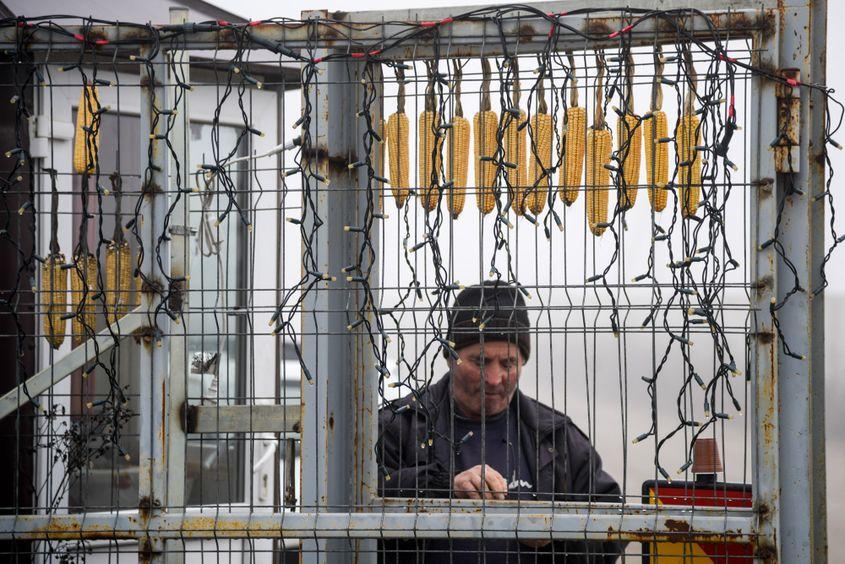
{"x": 458, "y": 153}
{"x": 54, "y": 299}
{"x": 630, "y": 158}
{"x": 541, "y": 130}
{"x": 397, "y": 148}
{"x": 515, "y": 153}
{"x": 656, "y": 159}
{"x": 573, "y": 162}
{"x": 87, "y": 266}
{"x": 84, "y": 118}
{"x": 119, "y": 282}
{"x": 429, "y": 170}
{"x": 689, "y": 174}
{"x": 599, "y": 146}
{"x": 485, "y": 125}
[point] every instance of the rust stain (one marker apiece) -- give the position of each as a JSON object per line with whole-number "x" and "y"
{"x": 677, "y": 526}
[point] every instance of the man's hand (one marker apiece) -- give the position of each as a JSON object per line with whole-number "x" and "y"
{"x": 468, "y": 484}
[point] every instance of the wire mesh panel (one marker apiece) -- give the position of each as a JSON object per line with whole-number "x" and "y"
{"x": 505, "y": 284}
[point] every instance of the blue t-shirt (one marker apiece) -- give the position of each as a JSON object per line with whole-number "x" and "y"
{"x": 503, "y": 451}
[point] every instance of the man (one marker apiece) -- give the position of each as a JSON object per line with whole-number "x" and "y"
{"x": 474, "y": 435}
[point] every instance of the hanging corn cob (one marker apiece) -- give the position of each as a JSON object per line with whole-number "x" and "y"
{"x": 458, "y": 150}
{"x": 629, "y": 137}
{"x": 515, "y": 135}
{"x": 54, "y": 278}
{"x": 656, "y": 153}
{"x": 485, "y": 125}
{"x": 687, "y": 138}
{"x": 541, "y": 153}
{"x": 87, "y": 139}
{"x": 574, "y": 131}
{"x": 430, "y": 146}
{"x": 397, "y": 145}
{"x": 598, "y": 149}
{"x": 83, "y": 281}
{"x": 119, "y": 281}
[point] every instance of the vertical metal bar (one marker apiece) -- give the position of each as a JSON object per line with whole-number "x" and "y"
{"x": 803, "y": 521}
{"x": 179, "y": 268}
{"x": 339, "y": 415}
{"x": 764, "y": 369}
{"x": 154, "y": 359}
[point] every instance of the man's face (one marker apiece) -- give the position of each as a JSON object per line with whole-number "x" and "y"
{"x": 498, "y": 368}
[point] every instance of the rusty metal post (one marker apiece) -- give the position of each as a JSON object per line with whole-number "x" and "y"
{"x": 180, "y": 261}
{"x": 154, "y": 360}
{"x": 764, "y": 346}
{"x": 339, "y": 406}
{"x": 802, "y": 535}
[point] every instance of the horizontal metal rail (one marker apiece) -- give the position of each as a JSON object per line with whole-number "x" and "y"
{"x": 461, "y": 38}
{"x": 504, "y": 520}
{"x": 244, "y": 419}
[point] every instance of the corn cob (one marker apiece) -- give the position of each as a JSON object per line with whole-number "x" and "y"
{"x": 656, "y": 159}
{"x": 84, "y": 142}
{"x": 82, "y": 277}
{"x": 541, "y": 132}
{"x": 628, "y": 132}
{"x": 573, "y": 164}
{"x": 430, "y": 143}
{"x": 515, "y": 154}
{"x": 599, "y": 147}
{"x": 397, "y": 148}
{"x": 485, "y": 125}
{"x": 119, "y": 281}
{"x": 54, "y": 299}
{"x": 689, "y": 172}
{"x": 458, "y": 150}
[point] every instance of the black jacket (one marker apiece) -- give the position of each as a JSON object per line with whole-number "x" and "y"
{"x": 561, "y": 459}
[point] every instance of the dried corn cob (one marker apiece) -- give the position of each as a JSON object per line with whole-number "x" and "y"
{"x": 485, "y": 125}
{"x": 627, "y": 132}
{"x": 458, "y": 163}
{"x": 54, "y": 298}
{"x": 541, "y": 131}
{"x": 82, "y": 277}
{"x": 119, "y": 281}
{"x": 599, "y": 147}
{"x": 689, "y": 171}
{"x": 687, "y": 138}
{"x": 430, "y": 148}
{"x": 630, "y": 140}
{"x": 458, "y": 149}
{"x": 573, "y": 164}
{"x": 85, "y": 144}
{"x": 656, "y": 159}
{"x": 396, "y": 137}
{"x": 573, "y": 134}
{"x": 397, "y": 148}
{"x": 654, "y": 129}
{"x": 515, "y": 154}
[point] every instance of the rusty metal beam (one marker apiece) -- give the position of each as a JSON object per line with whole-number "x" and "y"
{"x": 506, "y": 520}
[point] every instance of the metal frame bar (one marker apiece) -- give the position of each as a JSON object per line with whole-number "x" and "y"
{"x": 460, "y": 520}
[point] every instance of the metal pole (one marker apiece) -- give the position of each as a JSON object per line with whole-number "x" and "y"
{"x": 339, "y": 415}
{"x": 179, "y": 232}
{"x": 763, "y": 350}
{"x": 802, "y": 508}
{"x": 154, "y": 359}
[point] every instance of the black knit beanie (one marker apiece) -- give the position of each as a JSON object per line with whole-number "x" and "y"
{"x": 494, "y": 309}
